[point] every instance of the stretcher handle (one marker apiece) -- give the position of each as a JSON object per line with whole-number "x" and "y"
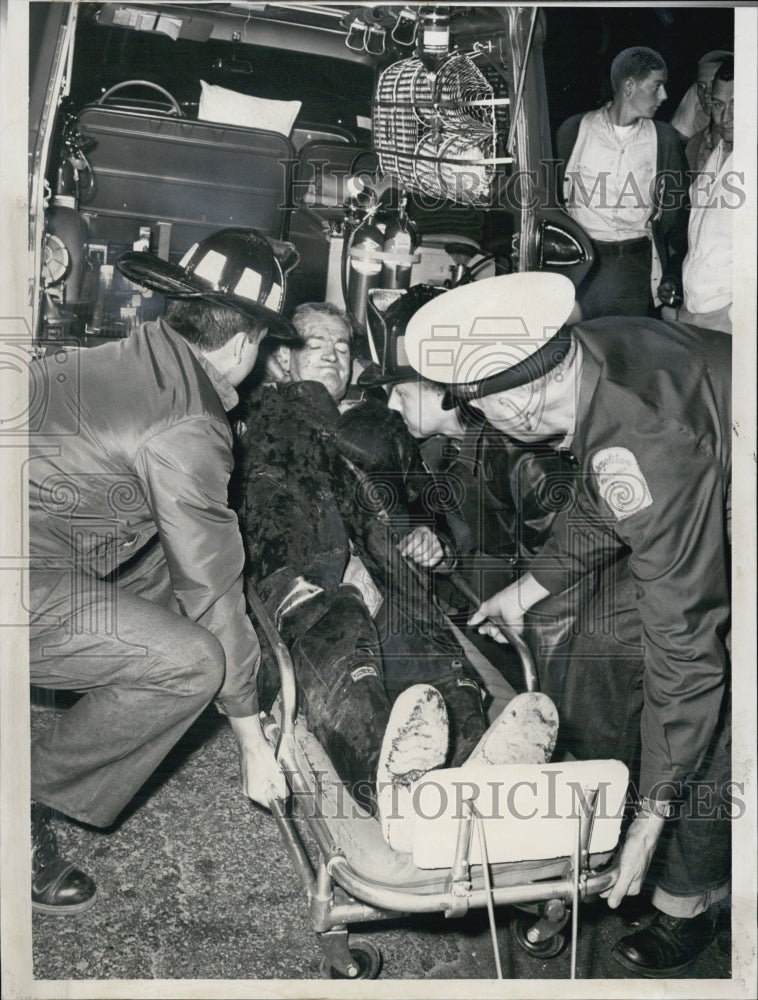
{"x": 531, "y": 680}
{"x": 288, "y": 693}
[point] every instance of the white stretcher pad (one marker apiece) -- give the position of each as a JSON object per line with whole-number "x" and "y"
{"x": 359, "y": 836}
{"x": 529, "y": 812}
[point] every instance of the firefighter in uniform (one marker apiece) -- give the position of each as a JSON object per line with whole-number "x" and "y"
{"x": 642, "y": 410}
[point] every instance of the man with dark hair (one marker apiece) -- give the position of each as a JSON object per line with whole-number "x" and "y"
{"x": 641, "y": 408}
{"x": 637, "y": 63}
{"x": 136, "y": 596}
{"x": 707, "y": 269}
{"x": 623, "y": 180}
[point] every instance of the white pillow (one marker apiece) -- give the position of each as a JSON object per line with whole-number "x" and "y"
{"x": 218, "y": 104}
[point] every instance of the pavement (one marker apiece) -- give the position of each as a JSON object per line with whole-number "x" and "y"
{"x": 194, "y": 882}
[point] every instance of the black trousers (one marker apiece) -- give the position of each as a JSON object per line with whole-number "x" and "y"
{"x": 618, "y": 283}
{"x": 344, "y": 692}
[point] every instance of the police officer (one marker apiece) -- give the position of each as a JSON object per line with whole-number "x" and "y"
{"x": 497, "y": 497}
{"x": 642, "y": 409}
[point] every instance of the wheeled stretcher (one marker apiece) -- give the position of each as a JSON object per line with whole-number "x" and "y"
{"x": 540, "y": 838}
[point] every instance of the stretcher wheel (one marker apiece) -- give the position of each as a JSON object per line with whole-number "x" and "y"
{"x": 366, "y": 956}
{"x": 549, "y": 948}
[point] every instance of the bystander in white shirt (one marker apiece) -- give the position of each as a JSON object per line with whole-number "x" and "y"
{"x": 609, "y": 178}
{"x": 707, "y": 269}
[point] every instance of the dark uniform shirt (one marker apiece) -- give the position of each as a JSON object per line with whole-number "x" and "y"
{"x": 652, "y": 446}
{"x": 499, "y": 498}
{"x": 508, "y": 493}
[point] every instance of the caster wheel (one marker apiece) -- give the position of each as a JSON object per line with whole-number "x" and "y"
{"x": 364, "y": 954}
{"x": 551, "y": 948}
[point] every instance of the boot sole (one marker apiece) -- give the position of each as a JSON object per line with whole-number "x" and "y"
{"x": 416, "y": 733}
{"x": 524, "y": 733}
{"x": 419, "y": 720}
{"x": 64, "y": 910}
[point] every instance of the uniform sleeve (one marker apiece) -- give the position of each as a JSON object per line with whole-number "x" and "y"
{"x": 679, "y": 562}
{"x": 578, "y": 543}
{"x": 186, "y": 471}
{"x": 542, "y": 484}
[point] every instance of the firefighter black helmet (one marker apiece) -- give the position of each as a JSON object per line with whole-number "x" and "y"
{"x": 237, "y": 267}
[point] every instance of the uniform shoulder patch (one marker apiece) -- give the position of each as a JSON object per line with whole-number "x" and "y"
{"x": 620, "y": 482}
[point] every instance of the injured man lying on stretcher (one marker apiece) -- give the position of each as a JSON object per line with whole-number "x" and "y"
{"x": 325, "y": 501}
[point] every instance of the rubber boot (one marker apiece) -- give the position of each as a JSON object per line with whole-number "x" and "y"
{"x": 294, "y": 604}
{"x": 341, "y": 691}
{"x": 467, "y": 721}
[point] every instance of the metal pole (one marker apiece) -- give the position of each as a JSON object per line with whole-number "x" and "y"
{"x": 531, "y": 679}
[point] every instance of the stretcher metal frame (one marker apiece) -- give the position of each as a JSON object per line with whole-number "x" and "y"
{"x": 338, "y": 895}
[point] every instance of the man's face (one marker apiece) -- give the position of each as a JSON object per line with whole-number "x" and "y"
{"x": 648, "y": 94}
{"x": 325, "y": 357}
{"x": 248, "y": 346}
{"x": 705, "y": 77}
{"x": 722, "y": 109}
{"x": 518, "y": 412}
{"x": 420, "y": 406}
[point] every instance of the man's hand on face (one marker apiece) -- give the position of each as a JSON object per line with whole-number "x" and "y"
{"x": 422, "y": 545}
{"x": 262, "y": 778}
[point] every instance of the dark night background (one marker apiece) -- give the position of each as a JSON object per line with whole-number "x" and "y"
{"x": 581, "y": 43}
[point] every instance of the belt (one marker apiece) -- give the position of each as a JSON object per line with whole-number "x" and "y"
{"x": 622, "y": 248}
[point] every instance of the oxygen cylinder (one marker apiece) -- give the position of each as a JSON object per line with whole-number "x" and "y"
{"x": 364, "y": 269}
{"x": 66, "y": 224}
{"x": 400, "y": 237}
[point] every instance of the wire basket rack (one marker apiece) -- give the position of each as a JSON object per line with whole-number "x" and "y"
{"x": 438, "y": 134}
